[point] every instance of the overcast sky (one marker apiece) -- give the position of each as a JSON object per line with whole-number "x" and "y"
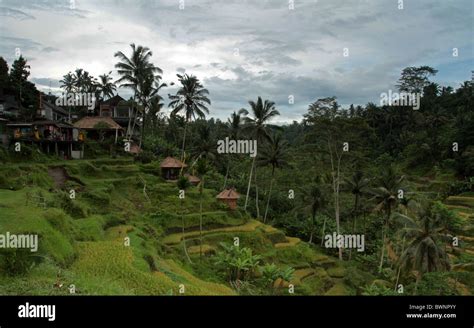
{"x": 244, "y": 49}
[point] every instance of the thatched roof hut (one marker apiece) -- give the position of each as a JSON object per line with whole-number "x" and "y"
{"x": 229, "y": 197}
{"x": 170, "y": 168}
{"x": 194, "y": 180}
{"x": 171, "y": 163}
{"x": 94, "y": 122}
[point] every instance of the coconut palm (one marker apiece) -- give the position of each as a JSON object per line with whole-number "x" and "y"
{"x": 272, "y": 155}
{"x": 191, "y": 99}
{"x": 137, "y": 73}
{"x": 356, "y": 185}
{"x": 149, "y": 98}
{"x": 315, "y": 201}
{"x": 183, "y": 184}
{"x": 201, "y": 170}
{"x": 105, "y": 86}
{"x": 386, "y": 198}
{"x": 88, "y": 83}
{"x": 262, "y": 112}
{"x": 234, "y": 126}
{"x": 68, "y": 82}
{"x": 425, "y": 251}
{"x": 78, "y": 79}
{"x": 205, "y": 146}
{"x": 154, "y": 109}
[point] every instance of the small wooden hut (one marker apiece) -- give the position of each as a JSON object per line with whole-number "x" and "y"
{"x": 170, "y": 168}
{"x": 194, "y": 180}
{"x": 229, "y": 197}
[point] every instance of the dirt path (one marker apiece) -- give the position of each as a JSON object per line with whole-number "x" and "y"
{"x": 59, "y": 175}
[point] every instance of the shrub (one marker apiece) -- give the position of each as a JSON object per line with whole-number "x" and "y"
{"x": 90, "y": 229}
{"x": 378, "y": 290}
{"x": 145, "y": 157}
{"x": 17, "y": 261}
{"x": 71, "y": 206}
{"x": 59, "y": 220}
{"x": 99, "y": 197}
{"x": 239, "y": 263}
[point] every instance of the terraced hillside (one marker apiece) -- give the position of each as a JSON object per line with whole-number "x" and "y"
{"x": 463, "y": 206}
{"x": 112, "y": 227}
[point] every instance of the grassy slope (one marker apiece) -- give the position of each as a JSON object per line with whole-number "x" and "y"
{"x": 82, "y": 241}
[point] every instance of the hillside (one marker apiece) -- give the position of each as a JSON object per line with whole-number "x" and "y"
{"x": 83, "y": 241}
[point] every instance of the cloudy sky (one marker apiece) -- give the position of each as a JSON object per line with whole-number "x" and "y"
{"x": 247, "y": 48}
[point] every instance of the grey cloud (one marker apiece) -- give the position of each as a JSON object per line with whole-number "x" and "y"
{"x": 18, "y": 14}
{"x": 282, "y": 51}
{"x": 46, "y": 82}
{"x": 8, "y": 46}
{"x": 50, "y": 49}
{"x": 58, "y": 6}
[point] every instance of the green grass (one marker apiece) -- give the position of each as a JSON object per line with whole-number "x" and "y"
{"x": 83, "y": 241}
{"x": 18, "y": 218}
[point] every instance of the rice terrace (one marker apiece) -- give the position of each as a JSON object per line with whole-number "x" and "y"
{"x": 235, "y": 148}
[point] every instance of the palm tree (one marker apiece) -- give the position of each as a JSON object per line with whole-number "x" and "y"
{"x": 149, "y": 98}
{"x": 78, "y": 79}
{"x": 274, "y": 156}
{"x": 154, "y": 109}
{"x": 315, "y": 201}
{"x": 262, "y": 112}
{"x": 137, "y": 73}
{"x": 234, "y": 126}
{"x": 424, "y": 252}
{"x": 201, "y": 170}
{"x": 357, "y": 185}
{"x": 191, "y": 98}
{"x": 88, "y": 83}
{"x": 105, "y": 86}
{"x": 386, "y": 197}
{"x": 183, "y": 184}
{"x": 68, "y": 82}
{"x": 206, "y": 146}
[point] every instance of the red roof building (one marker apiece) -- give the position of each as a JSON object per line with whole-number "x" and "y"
{"x": 229, "y": 197}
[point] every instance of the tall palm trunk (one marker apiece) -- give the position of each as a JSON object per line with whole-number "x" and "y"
{"x": 250, "y": 180}
{"x": 256, "y": 193}
{"x": 129, "y": 125}
{"x": 336, "y": 175}
{"x": 184, "y": 141}
{"x": 313, "y": 218}
{"x": 399, "y": 265}
{"x": 133, "y": 126}
{"x": 384, "y": 233}
{"x": 227, "y": 172}
{"x": 324, "y": 230}
{"x": 356, "y": 207}
{"x": 201, "y": 187}
{"x": 142, "y": 130}
{"x": 269, "y": 195}
{"x": 184, "y": 237}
